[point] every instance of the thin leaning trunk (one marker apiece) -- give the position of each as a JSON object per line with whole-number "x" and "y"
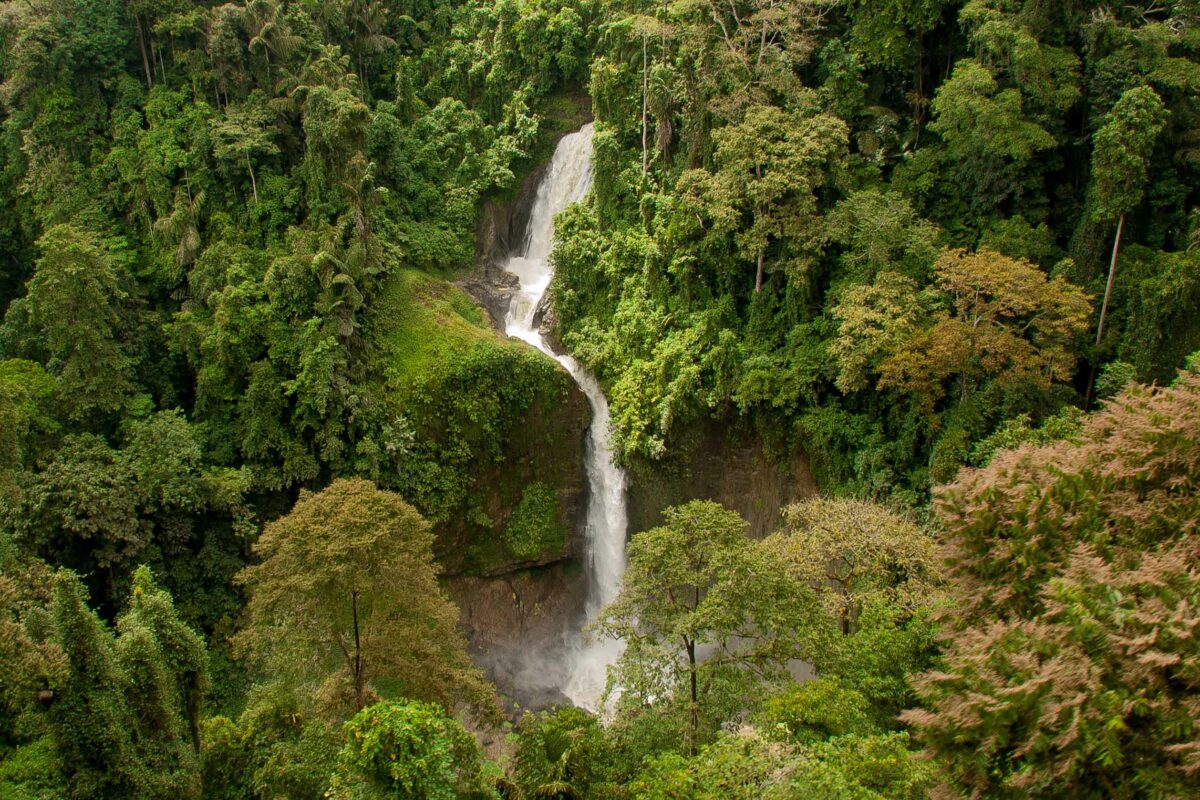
{"x": 253, "y": 183}
{"x": 694, "y": 714}
{"x": 145, "y": 59}
{"x": 1112, "y": 272}
{"x": 359, "y": 693}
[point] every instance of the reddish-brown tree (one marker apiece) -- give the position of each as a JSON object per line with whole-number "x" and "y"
{"x": 1073, "y": 663}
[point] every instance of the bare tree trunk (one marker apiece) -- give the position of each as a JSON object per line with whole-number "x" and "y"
{"x": 1112, "y": 272}
{"x": 694, "y": 716}
{"x": 162, "y": 64}
{"x": 359, "y": 694}
{"x": 253, "y": 183}
{"x": 645, "y": 105}
{"x": 758, "y": 277}
{"x": 142, "y": 47}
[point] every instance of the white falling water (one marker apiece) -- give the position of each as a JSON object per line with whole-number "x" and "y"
{"x": 566, "y": 182}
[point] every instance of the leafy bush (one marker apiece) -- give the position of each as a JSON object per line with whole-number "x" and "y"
{"x": 536, "y": 525}
{"x": 407, "y": 750}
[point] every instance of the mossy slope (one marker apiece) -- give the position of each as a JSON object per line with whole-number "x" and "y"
{"x": 491, "y": 427}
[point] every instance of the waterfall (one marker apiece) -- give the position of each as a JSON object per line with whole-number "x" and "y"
{"x": 566, "y": 182}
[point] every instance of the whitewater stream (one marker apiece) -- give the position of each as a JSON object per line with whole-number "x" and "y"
{"x": 584, "y": 663}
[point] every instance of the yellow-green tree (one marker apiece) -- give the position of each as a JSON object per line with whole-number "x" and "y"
{"x": 697, "y": 582}
{"x": 346, "y": 595}
{"x": 987, "y": 317}
{"x": 852, "y": 552}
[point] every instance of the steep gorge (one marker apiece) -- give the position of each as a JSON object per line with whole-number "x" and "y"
{"x": 523, "y": 619}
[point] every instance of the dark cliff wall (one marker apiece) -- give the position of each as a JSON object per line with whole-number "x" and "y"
{"x": 726, "y": 465}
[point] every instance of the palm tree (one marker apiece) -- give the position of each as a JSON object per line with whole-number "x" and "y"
{"x": 367, "y": 20}
{"x": 269, "y": 31}
{"x": 182, "y": 226}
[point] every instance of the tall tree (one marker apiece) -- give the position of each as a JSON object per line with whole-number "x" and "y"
{"x": 1121, "y": 167}
{"x": 74, "y": 300}
{"x": 183, "y": 651}
{"x": 764, "y": 189}
{"x": 89, "y": 720}
{"x": 852, "y": 552}
{"x": 244, "y": 134}
{"x": 346, "y": 594}
{"x": 693, "y": 583}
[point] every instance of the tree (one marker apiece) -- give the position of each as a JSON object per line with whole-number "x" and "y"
{"x": 1007, "y": 322}
{"x": 407, "y": 750}
{"x": 244, "y": 134}
{"x": 854, "y": 551}
{"x": 696, "y": 582}
{"x": 560, "y": 753}
{"x": 1072, "y": 661}
{"x": 82, "y": 506}
{"x": 182, "y": 650}
{"x": 881, "y": 231}
{"x": 74, "y": 300}
{"x": 122, "y": 709}
{"x": 1121, "y": 166}
{"x": 874, "y": 320}
{"x": 26, "y": 392}
{"x": 346, "y": 593}
{"x": 183, "y": 226}
{"x": 270, "y": 33}
{"x": 89, "y": 719}
{"x": 168, "y": 767}
{"x": 769, "y": 168}
{"x": 752, "y": 764}
{"x": 29, "y": 661}
{"x": 876, "y": 574}
{"x": 990, "y": 140}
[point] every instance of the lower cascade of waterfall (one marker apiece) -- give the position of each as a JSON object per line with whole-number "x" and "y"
{"x": 584, "y": 663}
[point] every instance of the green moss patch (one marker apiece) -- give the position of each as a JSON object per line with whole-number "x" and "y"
{"x": 536, "y": 525}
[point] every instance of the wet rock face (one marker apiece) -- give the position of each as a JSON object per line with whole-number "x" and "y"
{"x": 728, "y": 466}
{"x": 499, "y": 233}
{"x": 510, "y": 620}
{"x": 545, "y": 447}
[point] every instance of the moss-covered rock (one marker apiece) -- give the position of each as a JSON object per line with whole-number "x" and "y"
{"x": 536, "y": 525}
{"x": 492, "y": 429}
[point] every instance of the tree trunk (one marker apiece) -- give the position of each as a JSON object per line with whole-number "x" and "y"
{"x": 645, "y": 105}
{"x": 758, "y": 277}
{"x": 162, "y": 67}
{"x": 253, "y": 183}
{"x": 694, "y": 716}
{"x": 359, "y": 693}
{"x": 145, "y": 59}
{"x": 1112, "y": 272}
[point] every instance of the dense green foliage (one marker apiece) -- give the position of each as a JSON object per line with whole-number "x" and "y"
{"x": 536, "y": 525}
{"x": 775, "y": 181}
{"x": 944, "y": 248}
{"x": 408, "y": 751}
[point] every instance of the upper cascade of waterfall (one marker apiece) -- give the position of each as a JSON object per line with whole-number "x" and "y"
{"x": 583, "y": 664}
{"x": 566, "y": 181}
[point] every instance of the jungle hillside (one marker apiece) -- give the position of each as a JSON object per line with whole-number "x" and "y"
{"x": 883, "y": 316}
